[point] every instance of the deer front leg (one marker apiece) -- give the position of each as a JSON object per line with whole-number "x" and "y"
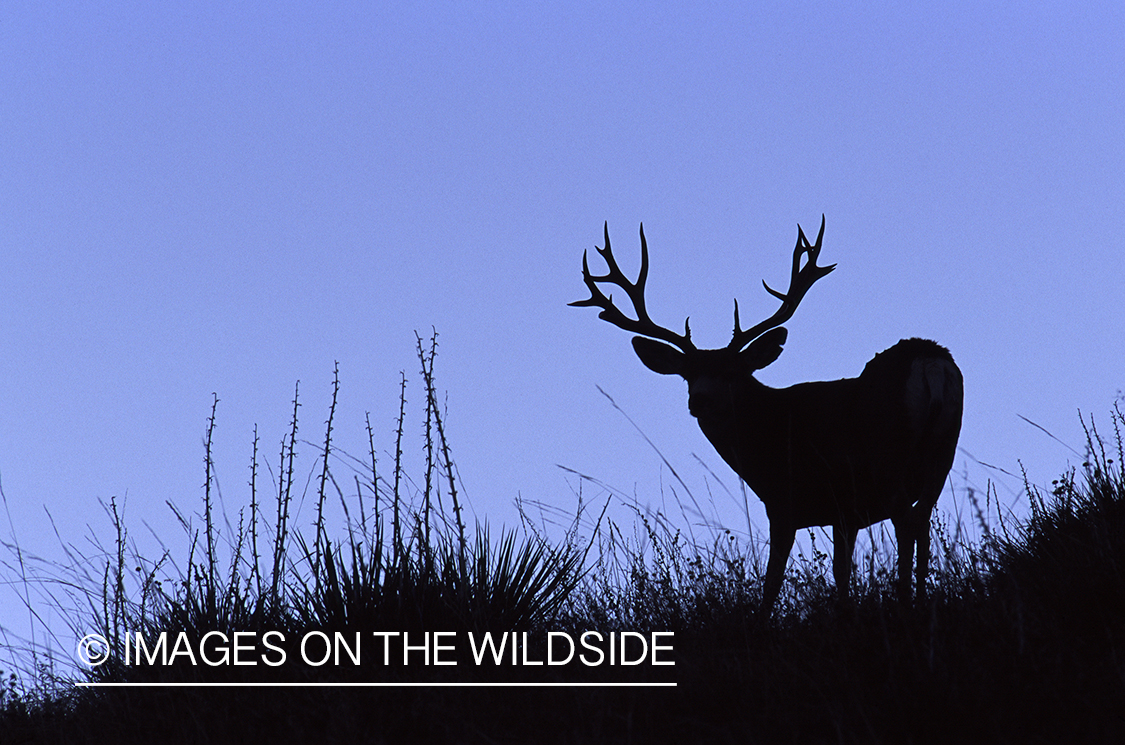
{"x": 781, "y": 543}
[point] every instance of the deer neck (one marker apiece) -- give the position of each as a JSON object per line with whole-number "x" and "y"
{"x": 743, "y": 427}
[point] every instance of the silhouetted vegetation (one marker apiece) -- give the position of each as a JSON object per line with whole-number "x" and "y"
{"x": 1020, "y": 639}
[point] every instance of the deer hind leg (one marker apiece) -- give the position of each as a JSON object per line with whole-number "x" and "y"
{"x": 923, "y": 567}
{"x": 920, "y": 515}
{"x": 905, "y": 535}
{"x": 843, "y": 546}
{"x": 781, "y": 543}
{"x": 912, "y": 529}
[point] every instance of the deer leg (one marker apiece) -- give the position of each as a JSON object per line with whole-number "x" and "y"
{"x": 843, "y": 545}
{"x": 781, "y": 543}
{"x": 923, "y": 532}
{"x": 904, "y": 536}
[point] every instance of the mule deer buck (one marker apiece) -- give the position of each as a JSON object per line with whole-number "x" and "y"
{"x": 847, "y": 453}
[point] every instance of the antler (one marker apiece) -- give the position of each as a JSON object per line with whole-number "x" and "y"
{"x": 642, "y": 325}
{"x": 799, "y": 283}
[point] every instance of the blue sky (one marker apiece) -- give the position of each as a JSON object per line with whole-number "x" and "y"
{"x": 216, "y": 197}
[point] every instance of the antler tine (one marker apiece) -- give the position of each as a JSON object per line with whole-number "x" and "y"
{"x": 642, "y": 324}
{"x": 801, "y": 279}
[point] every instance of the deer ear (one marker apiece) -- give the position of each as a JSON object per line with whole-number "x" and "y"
{"x": 764, "y": 350}
{"x": 658, "y": 356}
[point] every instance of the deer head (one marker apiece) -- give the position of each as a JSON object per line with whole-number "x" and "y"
{"x": 708, "y": 372}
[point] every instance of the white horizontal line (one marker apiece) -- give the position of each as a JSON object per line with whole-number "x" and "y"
{"x": 509, "y": 684}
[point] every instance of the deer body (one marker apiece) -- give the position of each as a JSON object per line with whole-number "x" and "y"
{"x": 847, "y": 453}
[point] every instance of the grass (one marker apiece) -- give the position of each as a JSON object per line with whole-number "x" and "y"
{"x": 1021, "y": 638}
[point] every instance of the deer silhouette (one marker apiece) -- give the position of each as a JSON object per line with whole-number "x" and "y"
{"x": 847, "y": 453}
